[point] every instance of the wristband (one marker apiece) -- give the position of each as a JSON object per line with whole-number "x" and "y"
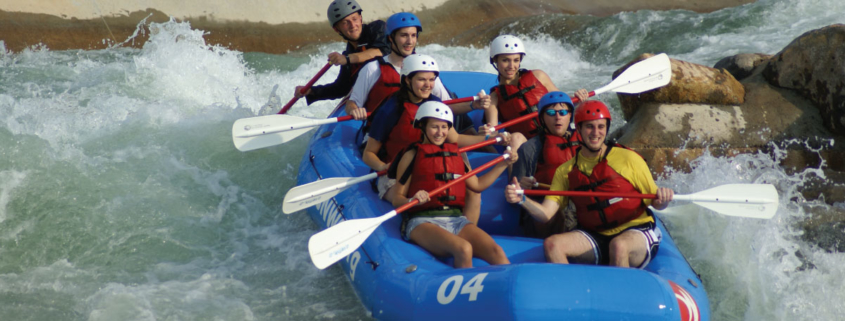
{"x": 472, "y": 105}
{"x": 348, "y": 62}
{"x": 487, "y": 137}
{"x": 523, "y": 200}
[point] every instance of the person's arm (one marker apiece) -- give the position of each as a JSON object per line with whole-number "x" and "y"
{"x": 483, "y": 102}
{"x": 526, "y": 166}
{"x": 643, "y": 181}
{"x": 541, "y": 212}
{"x": 339, "y": 88}
{"x": 364, "y": 56}
{"x": 479, "y": 184}
{"x": 664, "y": 196}
{"x": 370, "y": 155}
{"x": 545, "y": 80}
{"x": 400, "y": 190}
{"x": 367, "y": 78}
{"x": 491, "y": 113}
{"x": 466, "y": 140}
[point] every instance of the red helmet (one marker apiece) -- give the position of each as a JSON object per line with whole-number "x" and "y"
{"x": 592, "y": 110}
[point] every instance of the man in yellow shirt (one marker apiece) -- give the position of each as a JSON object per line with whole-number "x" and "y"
{"x": 615, "y": 231}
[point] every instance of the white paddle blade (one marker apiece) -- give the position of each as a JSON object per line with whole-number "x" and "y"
{"x": 267, "y": 140}
{"x": 293, "y": 204}
{"x": 265, "y": 131}
{"x": 305, "y": 196}
{"x": 761, "y": 211}
{"x": 648, "y": 74}
{"x": 335, "y": 243}
{"x": 742, "y": 200}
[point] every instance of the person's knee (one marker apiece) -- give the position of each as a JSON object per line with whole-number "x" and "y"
{"x": 463, "y": 249}
{"x": 619, "y": 248}
{"x": 551, "y": 244}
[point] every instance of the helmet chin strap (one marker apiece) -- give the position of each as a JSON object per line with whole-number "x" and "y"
{"x": 395, "y": 48}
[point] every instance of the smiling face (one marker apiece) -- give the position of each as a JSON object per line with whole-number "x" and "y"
{"x": 557, "y": 124}
{"x": 350, "y": 27}
{"x": 421, "y": 84}
{"x": 508, "y": 66}
{"x": 405, "y": 40}
{"x": 593, "y": 134}
{"x": 436, "y": 131}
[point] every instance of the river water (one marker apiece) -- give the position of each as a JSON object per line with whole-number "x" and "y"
{"x": 122, "y": 196}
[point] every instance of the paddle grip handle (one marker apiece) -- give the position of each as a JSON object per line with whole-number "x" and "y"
{"x": 464, "y": 177}
{"x": 488, "y": 142}
{"x": 307, "y": 86}
{"x": 459, "y": 100}
{"x": 349, "y": 117}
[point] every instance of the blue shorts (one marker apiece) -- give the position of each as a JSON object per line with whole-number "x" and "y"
{"x": 452, "y": 224}
{"x": 601, "y": 243}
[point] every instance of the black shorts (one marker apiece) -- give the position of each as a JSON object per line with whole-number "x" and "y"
{"x": 601, "y": 243}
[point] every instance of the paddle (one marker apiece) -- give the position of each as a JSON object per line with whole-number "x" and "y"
{"x": 336, "y": 242}
{"x": 742, "y": 200}
{"x": 305, "y": 89}
{"x": 305, "y": 196}
{"x": 270, "y": 130}
{"x": 648, "y": 74}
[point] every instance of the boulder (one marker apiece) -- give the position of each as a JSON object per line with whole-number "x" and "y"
{"x": 672, "y": 134}
{"x": 814, "y": 66}
{"x": 691, "y": 84}
{"x": 742, "y": 65}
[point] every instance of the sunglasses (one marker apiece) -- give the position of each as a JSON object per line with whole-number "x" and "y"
{"x": 552, "y": 112}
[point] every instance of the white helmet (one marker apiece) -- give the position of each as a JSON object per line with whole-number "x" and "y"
{"x": 506, "y": 44}
{"x": 433, "y": 109}
{"x": 417, "y": 62}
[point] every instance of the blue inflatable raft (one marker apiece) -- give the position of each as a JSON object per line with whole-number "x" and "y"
{"x": 396, "y": 280}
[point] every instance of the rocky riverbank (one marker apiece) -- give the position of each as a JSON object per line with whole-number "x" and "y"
{"x": 284, "y": 26}
{"x": 791, "y": 103}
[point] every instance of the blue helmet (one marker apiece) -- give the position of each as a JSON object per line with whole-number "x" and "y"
{"x": 554, "y": 98}
{"x": 402, "y": 20}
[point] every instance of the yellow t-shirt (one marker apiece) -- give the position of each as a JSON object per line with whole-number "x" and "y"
{"x": 625, "y": 162}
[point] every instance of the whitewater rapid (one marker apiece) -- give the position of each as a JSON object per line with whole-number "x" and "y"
{"x": 123, "y": 198}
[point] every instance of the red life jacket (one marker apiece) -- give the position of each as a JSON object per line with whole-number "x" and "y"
{"x": 403, "y": 133}
{"x": 522, "y": 99}
{"x": 434, "y": 166}
{"x": 556, "y": 151}
{"x": 603, "y": 213}
{"x": 386, "y": 85}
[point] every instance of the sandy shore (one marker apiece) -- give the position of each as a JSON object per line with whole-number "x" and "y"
{"x": 276, "y": 26}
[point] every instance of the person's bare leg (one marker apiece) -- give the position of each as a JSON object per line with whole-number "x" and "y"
{"x": 628, "y": 249}
{"x": 560, "y": 248}
{"x": 483, "y": 246}
{"x": 441, "y": 243}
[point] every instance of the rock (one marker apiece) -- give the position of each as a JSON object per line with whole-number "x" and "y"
{"x": 829, "y": 188}
{"x": 691, "y": 84}
{"x": 673, "y": 134}
{"x": 824, "y": 227}
{"x": 742, "y": 65}
{"x": 814, "y": 65}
